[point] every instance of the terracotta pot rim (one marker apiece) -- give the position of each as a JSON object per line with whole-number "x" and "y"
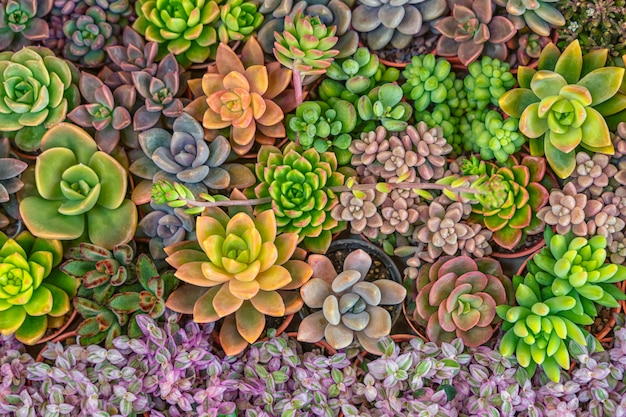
{"x": 412, "y": 323}
{"x": 321, "y": 344}
{"x": 60, "y": 331}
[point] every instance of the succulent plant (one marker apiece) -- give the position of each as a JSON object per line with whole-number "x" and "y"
{"x": 350, "y": 305}
{"x": 592, "y": 173}
{"x": 330, "y": 12}
{"x": 561, "y": 105}
{"x": 249, "y": 98}
{"x": 473, "y": 30}
{"x": 360, "y": 209}
{"x": 394, "y": 22}
{"x": 509, "y": 198}
{"x": 366, "y": 147}
{"x": 183, "y": 28}
{"x": 384, "y": 104}
{"x": 166, "y": 226}
{"x": 487, "y": 81}
{"x": 298, "y": 183}
{"x": 568, "y": 210}
{"x": 431, "y": 149}
{"x": 538, "y": 15}
{"x": 496, "y": 138}
{"x": 306, "y": 45}
{"x": 428, "y": 80}
{"x": 106, "y": 112}
{"x": 575, "y": 266}
{"x": 34, "y": 295}
{"x": 400, "y": 213}
{"x": 117, "y": 12}
{"x": 240, "y": 19}
{"x": 529, "y": 47}
{"x": 133, "y": 55}
{"x": 80, "y": 192}
{"x": 356, "y": 71}
{"x": 539, "y": 328}
{"x": 607, "y": 223}
{"x": 10, "y": 170}
{"x": 239, "y": 269}
{"x": 457, "y": 297}
{"x": 87, "y": 35}
{"x": 21, "y": 22}
{"x": 42, "y": 88}
{"x": 318, "y": 125}
{"x": 159, "y": 93}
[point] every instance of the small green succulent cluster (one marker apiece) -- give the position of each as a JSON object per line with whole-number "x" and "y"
{"x": 556, "y": 298}
{"x": 495, "y": 138}
{"x": 428, "y": 80}
{"x": 487, "y": 81}
{"x": 384, "y": 105}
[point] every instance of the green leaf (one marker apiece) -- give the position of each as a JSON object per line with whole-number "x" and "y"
{"x": 562, "y": 163}
{"x": 603, "y": 83}
{"x": 570, "y": 63}
{"x": 515, "y": 101}
{"x": 126, "y": 302}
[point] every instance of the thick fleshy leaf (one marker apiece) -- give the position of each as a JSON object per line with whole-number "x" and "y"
{"x": 183, "y": 299}
{"x": 32, "y": 329}
{"x": 250, "y": 323}
{"x": 562, "y": 163}
{"x": 203, "y": 310}
{"x": 515, "y": 101}
{"x": 43, "y": 219}
{"x": 312, "y": 328}
{"x": 570, "y": 63}
{"x": 230, "y": 339}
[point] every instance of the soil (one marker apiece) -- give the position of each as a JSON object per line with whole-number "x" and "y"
{"x": 529, "y": 242}
{"x": 601, "y": 322}
{"x": 421, "y": 45}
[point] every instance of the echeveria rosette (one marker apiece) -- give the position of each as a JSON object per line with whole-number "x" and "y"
{"x": 509, "y": 198}
{"x": 104, "y": 111}
{"x": 298, "y": 182}
{"x": 563, "y": 104}
{"x": 86, "y": 37}
{"x": 457, "y": 297}
{"x": 133, "y": 55}
{"x": 538, "y": 330}
{"x": 239, "y": 269}
{"x": 185, "y": 28}
{"x": 37, "y": 90}
{"x": 21, "y": 22}
{"x": 80, "y": 192}
{"x": 34, "y": 295}
{"x": 575, "y": 266}
{"x": 166, "y": 226}
{"x": 10, "y": 170}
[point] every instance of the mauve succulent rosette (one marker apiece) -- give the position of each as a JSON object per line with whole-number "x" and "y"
{"x": 23, "y": 22}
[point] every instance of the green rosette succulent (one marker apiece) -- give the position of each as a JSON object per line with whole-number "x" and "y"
{"x": 575, "y": 266}
{"x": 563, "y": 103}
{"x": 428, "y": 80}
{"x": 539, "y": 328}
{"x": 21, "y": 22}
{"x": 298, "y": 182}
{"x": 317, "y": 125}
{"x": 79, "y": 192}
{"x": 487, "y": 81}
{"x": 34, "y": 296}
{"x": 384, "y": 104}
{"x": 240, "y": 19}
{"x": 185, "y": 28}
{"x": 496, "y": 138}
{"x": 38, "y": 91}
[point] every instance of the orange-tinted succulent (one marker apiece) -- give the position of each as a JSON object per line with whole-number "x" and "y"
{"x": 245, "y": 95}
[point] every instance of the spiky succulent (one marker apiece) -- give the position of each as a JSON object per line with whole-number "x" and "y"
{"x": 496, "y": 138}
{"x": 86, "y": 36}
{"x": 384, "y": 105}
{"x": 240, "y": 19}
{"x": 185, "y": 28}
{"x": 21, "y": 22}
{"x": 299, "y": 183}
{"x": 10, "y": 170}
{"x": 563, "y": 104}
{"x": 457, "y": 297}
{"x": 349, "y": 305}
{"x": 240, "y": 270}
{"x": 428, "y": 80}
{"x": 243, "y": 95}
{"x": 39, "y": 89}
{"x": 34, "y": 295}
{"x": 306, "y": 45}
{"x": 539, "y": 328}
{"x": 78, "y": 192}
{"x": 472, "y": 30}
{"x": 539, "y": 15}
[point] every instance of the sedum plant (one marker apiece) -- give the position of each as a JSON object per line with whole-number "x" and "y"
{"x": 472, "y": 30}
{"x": 78, "y": 192}
{"x": 563, "y": 104}
{"x": 357, "y": 72}
{"x": 575, "y": 266}
{"x": 240, "y": 19}
{"x": 540, "y": 16}
{"x": 384, "y": 104}
{"x": 240, "y": 269}
{"x": 184, "y": 28}
{"x": 361, "y": 209}
{"x": 298, "y": 183}
{"x": 243, "y": 95}
{"x": 539, "y": 329}
{"x": 496, "y": 138}
{"x": 487, "y": 81}
{"x": 86, "y": 36}
{"x": 347, "y": 304}
{"x": 39, "y": 91}
{"x": 22, "y": 22}
{"x": 457, "y": 297}
{"x": 428, "y": 80}
{"x": 34, "y": 295}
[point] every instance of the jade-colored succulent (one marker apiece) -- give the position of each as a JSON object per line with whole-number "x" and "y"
{"x": 496, "y": 138}
{"x": 38, "y": 91}
{"x": 428, "y": 80}
{"x": 539, "y": 15}
{"x": 306, "y": 45}
{"x": 563, "y": 104}
{"x": 539, "y": 328}
{"x": 457, "y": 297}
{"x": 87, "y": 34}
{"x": 487, "y": 81}
{"x": 509, "y": 198}
{"x": 185, "y": 28}
{"x": 34, "y": 295}
{"x": 575, "y": 266}
{"x": 243, "y": 95}
{"x": 21, "y": 22}
{"x": 80, "y": 192}
{"x": 472, "y": 30}
{"x": 356, "y": 71}
{"x": 384, "y": 104}
{"x": 240, "y": 19}
{"x": 298, "y": 183}
{"x": 240, "y": 269}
